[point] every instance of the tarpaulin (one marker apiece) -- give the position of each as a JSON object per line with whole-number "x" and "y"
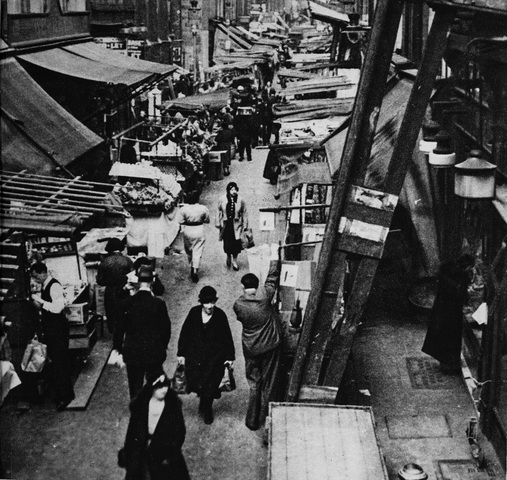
{"x": 35, "y": 128}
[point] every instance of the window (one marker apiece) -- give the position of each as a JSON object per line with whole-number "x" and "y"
{"x": 26, "y": 6}
{"x": 69, "y": 6}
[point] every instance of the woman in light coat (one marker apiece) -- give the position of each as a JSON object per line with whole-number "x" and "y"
{"x": 232, "y": 219}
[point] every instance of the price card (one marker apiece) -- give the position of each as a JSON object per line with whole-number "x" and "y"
{"x": 266, "y": 221}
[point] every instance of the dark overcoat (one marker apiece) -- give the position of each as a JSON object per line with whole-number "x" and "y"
{"x": 163, "y": 455}
{"x": 443, "y": 338}
{"x": 143, "y": 331}
{"x": 205, "y": 347}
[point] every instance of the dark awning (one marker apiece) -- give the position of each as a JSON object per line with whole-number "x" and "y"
{"x": 92, "y": 62}
{"x": 35, "y": 125}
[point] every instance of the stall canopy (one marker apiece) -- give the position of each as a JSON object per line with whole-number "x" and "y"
{"x": 92, "y": 62}
{"x": 327, "y": 12}
{"x": 37, "y": 133}
{"x": 51, "y": 205}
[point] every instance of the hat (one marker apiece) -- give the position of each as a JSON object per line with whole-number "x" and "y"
{"x": 114, "y": 244}
{"x": 145, "y": 273}
{"x": 240, "y": 88}
{"x": 208, "y": 294}
{"x": 161, "y": 381}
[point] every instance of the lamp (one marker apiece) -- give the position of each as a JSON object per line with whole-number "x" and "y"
{"x": 475, "y": 177}
{"x": 442, "y": 155}
{"x": 428, "y": 143}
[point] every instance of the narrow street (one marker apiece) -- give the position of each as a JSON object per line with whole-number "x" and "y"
{"x": 82, "y": 445}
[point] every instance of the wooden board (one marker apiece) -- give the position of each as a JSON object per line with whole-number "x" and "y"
{"x": 90, "y": 375}
{"x": 325, "y": 442}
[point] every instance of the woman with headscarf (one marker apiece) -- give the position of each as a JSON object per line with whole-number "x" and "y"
{"x": 232, "y": 219}
{"x": 205, "y": 346}
{"x": 155, "y": 435}
{"x": 112, "y": 273}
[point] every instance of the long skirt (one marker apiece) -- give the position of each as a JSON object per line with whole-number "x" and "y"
{"x": 232, "y": 246}
{"x": 193, "y": 242}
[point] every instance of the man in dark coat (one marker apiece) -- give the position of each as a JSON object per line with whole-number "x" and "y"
{"x": 112, "y": 273}
{"x": 261, "y": 343}
{"x": 245, "y": 128}
{"x": 142, "y": 334}
{"x": 55, "y": 328}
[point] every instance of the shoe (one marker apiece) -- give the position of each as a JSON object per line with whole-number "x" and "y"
{"x": 208, "y": 417}
{"x": 240, "y": 159}
{"x": 228, "y": 261}
{"x": 249, "y": 159}
{"x": 61, "y": 406}
{"x": 194, "y": 276}
{"x": 235, "y": 266}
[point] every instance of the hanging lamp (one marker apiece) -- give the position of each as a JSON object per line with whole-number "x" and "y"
{"x": 475, "y": 177}
{"x": 442, "y": 155}
{"x": 428, "y": 143}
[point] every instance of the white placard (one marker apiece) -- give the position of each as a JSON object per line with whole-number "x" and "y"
{"x": 266, "y": 221}
{"x": 288, "y": 275}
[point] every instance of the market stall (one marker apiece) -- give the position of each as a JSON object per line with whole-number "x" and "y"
{"x": 42, "y": 220}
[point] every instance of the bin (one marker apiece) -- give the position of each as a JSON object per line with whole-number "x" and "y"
{"x": 216, "y": 165}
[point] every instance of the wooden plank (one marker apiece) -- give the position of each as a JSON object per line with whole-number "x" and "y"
{"x": 400, "y": 159}
{"x": 90, "y": 375}
{"x": 357, "y": 149}
{"x": 317, "y": 394}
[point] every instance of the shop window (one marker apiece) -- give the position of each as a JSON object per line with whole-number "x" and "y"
{"x": 71, "y": 6}
{"x": 16, "y": 7}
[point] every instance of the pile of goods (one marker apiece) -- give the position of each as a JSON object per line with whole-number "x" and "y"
{"x": 139, "y": 194}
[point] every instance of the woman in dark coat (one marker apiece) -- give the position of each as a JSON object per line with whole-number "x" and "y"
{"x": 443, "y": 338}
{"x": 155, "y": 435}
{"x": 224, "y": 141}
{"x": 205, "y": 346}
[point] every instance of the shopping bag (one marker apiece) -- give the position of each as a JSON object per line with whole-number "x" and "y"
{"x": 179, "y": 380}
{"x": 35, "y": 356}
{"x": 247, "y": 240}
{"x": 228, "y": 383}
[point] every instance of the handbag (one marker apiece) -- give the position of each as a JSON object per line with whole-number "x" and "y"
{"x": 35, "y": 356}
{"x": 179, "y": 380}
{"x": 228, "y": 382}
{"x": 247, "y": 240}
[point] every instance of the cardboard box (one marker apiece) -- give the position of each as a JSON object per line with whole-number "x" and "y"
{"x": 76, "y": 312}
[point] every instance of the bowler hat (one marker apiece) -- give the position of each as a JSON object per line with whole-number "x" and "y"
{"x": 114, "y": 244}
{"x": 208, "y": 294}
{"x": 145, "y": 273}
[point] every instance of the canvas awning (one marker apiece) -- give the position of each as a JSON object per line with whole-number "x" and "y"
{"x": 89, "y": 61}
{"x": 327, "y": 13}
{"x": 37, "y": 132}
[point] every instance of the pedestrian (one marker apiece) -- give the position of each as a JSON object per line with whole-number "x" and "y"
{"x": 224, "y": 141}
{"x": 245, "y": 128}
{"x": 55, "y": 329}
{"x": 128, "y": 152}
{"x": 232, "y": 219}
{"x": 205, "y": 347}
{"x": 261, "y": 343}
{"x": 112, "y": 274}
{"x": 157, "y": 286}
{"x": 443, "y": 338}
{"x": 192, "y": 216}
{"x": 155, "y": 435}
{"x": 142, "y": 334}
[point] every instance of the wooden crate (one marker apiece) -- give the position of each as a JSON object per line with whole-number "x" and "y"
{"x": 324, "y": 442}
